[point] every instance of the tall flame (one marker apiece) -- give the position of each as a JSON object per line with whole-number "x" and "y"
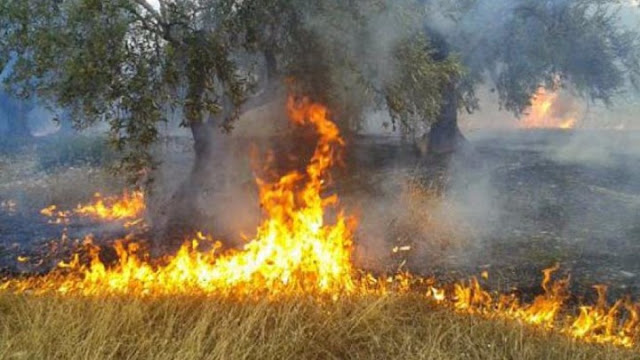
{"x": 294, "y": 250}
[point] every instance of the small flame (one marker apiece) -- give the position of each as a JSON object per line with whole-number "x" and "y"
{"x": 130, "y": 207}
{"x": 437, "y": 294}
{"x": 126, "y": 207}
{"x": 602, "y": 324}
{"x": 544, "y": 112}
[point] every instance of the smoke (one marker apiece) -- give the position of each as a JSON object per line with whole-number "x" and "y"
{"x": 41, "y": 121}
{"x": 4, "y": 126}
{"x": 425, "y": 217}
{"x": 562, "y": 191}
{"x": 514, "y": 187}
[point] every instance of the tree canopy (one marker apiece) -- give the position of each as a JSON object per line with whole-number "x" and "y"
{"x": 130, "y": 63}
{"x": 520, "y": 45}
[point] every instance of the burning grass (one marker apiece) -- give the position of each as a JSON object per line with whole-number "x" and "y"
{"x": 292, "y": 291}
{"x": 359, "y": 327}
{"x": 129, "y": 207}
{"x": 205, "y": 274}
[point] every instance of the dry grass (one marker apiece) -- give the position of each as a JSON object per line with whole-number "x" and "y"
{"x": 398, "y": 327}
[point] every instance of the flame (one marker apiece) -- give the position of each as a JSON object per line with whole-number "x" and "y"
{"x": 294, "y": 249}
{"x": 543, "y": 112}
{"x": 297, "y": 251}
{"x": 130, "y": 206}
{"x": 599, "y": 323}
{"x": 603, "y": 324}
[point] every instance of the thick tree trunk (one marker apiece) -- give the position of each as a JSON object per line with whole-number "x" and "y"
{"x": 445, "y": 136}
{"x": 17, "y": 125}
{"x": 183, "y": 215}
{"x": 66, "y": 124}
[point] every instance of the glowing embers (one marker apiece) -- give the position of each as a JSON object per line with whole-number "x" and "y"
{"x": 549, "y": 110}
{"x": 129, "y": 207}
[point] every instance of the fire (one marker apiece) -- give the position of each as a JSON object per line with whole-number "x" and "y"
{"x": 601, "y": 323}
{"x": 294, "y": 249}
{"x": 303, "y": 247}
{"x": 547, "y": 112}
{"x": 616, "y": 324}
{"x": 130, "y": 207}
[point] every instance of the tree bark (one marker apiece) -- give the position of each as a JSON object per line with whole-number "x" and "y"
{"x": 445, "y": 136}
{"x": 183, "y": 215}
{"x": 17, "y": 125}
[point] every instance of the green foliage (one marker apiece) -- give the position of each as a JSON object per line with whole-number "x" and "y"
{"x": 523, "y": 44}
{"x": 354, "y": 56}
{"x": 129, "y": 64}
{"x": 118, "y": 62}
{"x": 417, "y": 92}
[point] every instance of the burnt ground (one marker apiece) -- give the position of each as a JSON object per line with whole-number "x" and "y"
{"x": 513, "y": 204}
{"x": 518, "y": 202}
{"x": 568, "y": 198}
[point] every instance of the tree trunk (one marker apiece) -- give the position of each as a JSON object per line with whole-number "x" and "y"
{"x": 183, "y": 215}
{"x": 445, "y": 136}
{"x": 17, "y": 125}
{"x": 66, "y": 124}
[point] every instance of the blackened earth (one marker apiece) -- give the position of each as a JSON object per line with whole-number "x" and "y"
{"x": 526, "y": 199}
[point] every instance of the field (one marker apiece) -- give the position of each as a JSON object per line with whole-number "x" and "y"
{"x": 518, "y": 204}
{"x": 196, "y": 328}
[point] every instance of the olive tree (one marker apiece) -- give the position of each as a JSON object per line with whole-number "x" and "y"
{"x": 130, "y": 63}
{"x": 519, "y": 45}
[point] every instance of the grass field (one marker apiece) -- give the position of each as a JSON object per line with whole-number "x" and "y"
{"x": 392, "y": 327}
{"x": 398, "y": 326}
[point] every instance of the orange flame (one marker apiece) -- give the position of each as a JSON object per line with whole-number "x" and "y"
{"x": 130, "y": 206}
{"x": 544, "y": 113}
{"x": 600, "y": 323}
{"x": 603, "y": 324}
{"x": 296, "y": 251}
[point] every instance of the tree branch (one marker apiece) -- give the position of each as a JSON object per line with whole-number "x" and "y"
{"x": 163, "y": 8}
{"x": 145, "y": 24}
{"x": 151, "y": 10}
{"x": 268, "y": 93}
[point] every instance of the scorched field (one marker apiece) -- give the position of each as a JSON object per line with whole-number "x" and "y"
{"x": 518, "y": 249}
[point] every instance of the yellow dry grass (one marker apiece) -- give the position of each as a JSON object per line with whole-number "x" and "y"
{"x": 391, "y": 327}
